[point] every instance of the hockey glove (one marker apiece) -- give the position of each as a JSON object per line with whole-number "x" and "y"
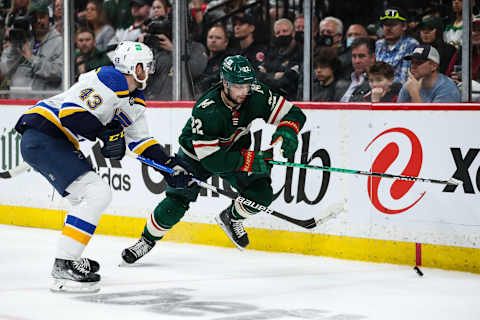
{"x": 181, "y": 178}
{"x": 113, "y": 141}
{"x": 255, "y": 162}
{"x": 286, "y": 132}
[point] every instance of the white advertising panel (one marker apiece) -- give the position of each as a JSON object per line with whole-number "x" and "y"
{"x": 429, "y": 144}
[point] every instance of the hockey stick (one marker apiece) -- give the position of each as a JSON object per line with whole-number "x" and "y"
{"x": 331, "y": 212}
{"x": 21, "y": 168}
{"x": 451, "y": 181}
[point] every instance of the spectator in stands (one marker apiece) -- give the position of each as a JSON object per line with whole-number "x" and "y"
{"x": 380, "y": 80}
{"x": 160, "y": 83}
{"x": 119, "y": 13}
{"x": 363, "y": 57}
{"x": 217, "y": 43}
{"x": 455, "y": 66}
{"x": 327, "y": 86}
{"x": 333, "y": 27}
{"x": 97, "y": 21}
{"x": 245, "y": 44}
{"x": 299, "y": 24}
{"x": 58, "y": 15}
{"x": 88, "y": 57}
{"x": 354, "y": 31}
{"x": 395, "y": 46}
{"x": 431, "y": 33}
{"x": 453, "y": 32}
{"x": 280, "y": 71}
{"x": 140, "y": 10}
{"x": 160, "y": 9}
{"x": 36, "y": 63}
{"x": 425, "y": 83}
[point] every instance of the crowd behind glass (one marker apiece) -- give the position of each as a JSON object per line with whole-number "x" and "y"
{"x": 367, "y": 51}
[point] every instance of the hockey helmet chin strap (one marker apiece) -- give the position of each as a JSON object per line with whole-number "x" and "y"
{"x": 143, "y": 82}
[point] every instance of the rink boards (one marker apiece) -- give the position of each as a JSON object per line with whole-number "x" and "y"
{"x": 383, "y": 220}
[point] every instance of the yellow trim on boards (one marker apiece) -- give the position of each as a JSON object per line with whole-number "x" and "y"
{"x": 372, "y": 250}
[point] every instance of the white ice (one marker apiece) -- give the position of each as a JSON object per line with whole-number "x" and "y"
{"x": 182, "y": 281}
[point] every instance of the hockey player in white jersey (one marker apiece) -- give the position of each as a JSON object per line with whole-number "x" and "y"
{"x": 106, "y": 104}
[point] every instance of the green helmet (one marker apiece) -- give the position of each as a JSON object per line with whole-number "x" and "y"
{"x": 237, "y": 69}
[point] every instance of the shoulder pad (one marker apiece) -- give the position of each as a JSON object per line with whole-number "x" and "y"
{"x": 114, "y": 80}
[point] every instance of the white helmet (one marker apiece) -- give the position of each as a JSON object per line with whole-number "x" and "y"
{"x": 128, "y": 54}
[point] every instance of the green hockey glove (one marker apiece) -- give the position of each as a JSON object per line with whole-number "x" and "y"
{"x": 255, "y": 162}
{"x": 286, "y": 132}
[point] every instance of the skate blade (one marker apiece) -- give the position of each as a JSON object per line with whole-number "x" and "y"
{"x": 225, "y": 230}
{"x": 70, "y": 286}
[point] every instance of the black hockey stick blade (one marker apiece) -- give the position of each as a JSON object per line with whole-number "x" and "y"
{"x": 21, "y": 168}
{"x": 5, "y": 175}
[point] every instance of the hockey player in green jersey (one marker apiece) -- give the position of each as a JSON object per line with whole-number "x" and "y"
{"x": 215, "y": 141}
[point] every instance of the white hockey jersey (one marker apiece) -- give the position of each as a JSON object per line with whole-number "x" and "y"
{"x": 104, "y": 94}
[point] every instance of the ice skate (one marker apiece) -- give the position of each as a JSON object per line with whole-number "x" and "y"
{"x": 75, "y": 276}
{"x": 138, "y": 250}
{"x": 233, "y": 228}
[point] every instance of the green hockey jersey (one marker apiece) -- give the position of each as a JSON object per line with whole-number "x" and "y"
{"x": 213, "y": 130}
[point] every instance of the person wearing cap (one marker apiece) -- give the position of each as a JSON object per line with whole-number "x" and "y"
{"x": 425, "y": 83}
{"x": 35, "y": 62}
{"x": 245, "y": 43}
{"x": 395, "y": 45}
{"x": 430, "y": 29}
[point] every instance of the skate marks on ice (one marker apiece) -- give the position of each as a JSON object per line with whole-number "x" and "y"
{"x": 181, "y": 302}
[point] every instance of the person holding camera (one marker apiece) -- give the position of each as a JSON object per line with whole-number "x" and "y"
{"x": 34, "y": 60}
{"x": 158, "y": 36}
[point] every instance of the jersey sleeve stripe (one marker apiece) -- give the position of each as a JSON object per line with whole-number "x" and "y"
{"x": 205, "y": 148}
{"x": 122, "y": 94}
{"x": 140, "y": 101}
{"x": 282, "y": 108}
{"x": 141, "y": 147}
{"x": 52, "y": 117}
{"x": 65, "y": 112}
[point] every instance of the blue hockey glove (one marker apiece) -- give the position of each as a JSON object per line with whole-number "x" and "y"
{"x": 113, "y": 141}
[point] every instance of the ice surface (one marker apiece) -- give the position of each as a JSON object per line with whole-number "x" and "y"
{"x": 181, "y": 281}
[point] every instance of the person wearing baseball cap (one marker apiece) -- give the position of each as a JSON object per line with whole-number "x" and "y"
{"x": 431, "y": 32}
{"x": 396, "y": 44}
{"x": 425, "y": 82}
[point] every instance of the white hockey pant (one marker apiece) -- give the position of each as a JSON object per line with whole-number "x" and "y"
{"x": 89, "y": 196}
